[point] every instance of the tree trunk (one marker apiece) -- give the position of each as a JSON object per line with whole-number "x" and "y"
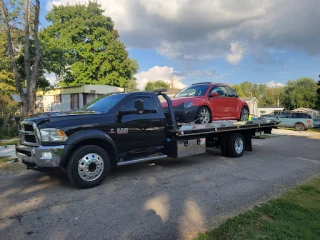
{"x": 26, "y": 49}
{"x": 12, "y": 57}
{"x": 36, "y": 66}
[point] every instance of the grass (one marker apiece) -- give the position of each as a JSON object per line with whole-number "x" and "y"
{"x": 7, "y": 164}
{"x": 294, "y": 215}
{"x": 8, "y": 142}
{"x": 314, "y": 130}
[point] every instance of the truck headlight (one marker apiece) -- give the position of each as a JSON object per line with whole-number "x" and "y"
{"x": 188, "y": 104}
{"x": 53, "y": 135}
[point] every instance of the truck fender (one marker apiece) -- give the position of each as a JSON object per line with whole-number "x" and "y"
{"x": 80, "y": 137}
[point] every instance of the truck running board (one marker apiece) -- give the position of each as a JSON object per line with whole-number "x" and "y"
{"x": 141, "y": 160}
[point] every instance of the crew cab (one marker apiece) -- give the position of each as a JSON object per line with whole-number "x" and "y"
{"x": 120, "y": 129}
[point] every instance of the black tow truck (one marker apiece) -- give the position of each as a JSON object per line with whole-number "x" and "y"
{"x": 121, "y": 129}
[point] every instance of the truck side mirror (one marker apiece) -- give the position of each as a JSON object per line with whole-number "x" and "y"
{"x": 213, "y": 94}
{"x": 139, "y": 106}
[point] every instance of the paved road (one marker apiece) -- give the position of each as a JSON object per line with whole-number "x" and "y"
{"x": 167, "y": 200}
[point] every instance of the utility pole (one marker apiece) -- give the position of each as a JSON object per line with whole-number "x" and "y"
{"x": 172, "y": 81}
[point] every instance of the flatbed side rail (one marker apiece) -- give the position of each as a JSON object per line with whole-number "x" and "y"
{"x": 202, "y": 129}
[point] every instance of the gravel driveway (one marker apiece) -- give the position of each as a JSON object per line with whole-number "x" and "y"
{"x": 170, "y": 199}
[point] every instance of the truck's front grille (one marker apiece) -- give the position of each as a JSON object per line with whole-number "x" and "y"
{"x": 30, "y": 138}
{"x": 28, "y": 127}
{"x": 27, "y": 133}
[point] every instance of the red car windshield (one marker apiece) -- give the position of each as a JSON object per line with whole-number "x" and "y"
{"x": 196, "y": 90}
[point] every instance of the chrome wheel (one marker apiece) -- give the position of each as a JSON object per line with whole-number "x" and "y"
{"x": 244, "y": 115}
{"x": 90, "y": 166}
{"x": 204, "y": 115}
{"x": 238, "y": 145}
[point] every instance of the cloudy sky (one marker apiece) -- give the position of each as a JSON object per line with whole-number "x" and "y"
{"x": 261, "y": 41}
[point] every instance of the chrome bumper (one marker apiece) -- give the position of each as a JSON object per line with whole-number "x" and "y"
{"x": 41, "y": 156}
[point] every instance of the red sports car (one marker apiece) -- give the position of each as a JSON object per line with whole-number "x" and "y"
{"x": 204, "y": 102}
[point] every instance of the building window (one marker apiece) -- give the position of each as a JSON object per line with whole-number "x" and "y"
{"x": 57, "y": 98}
{"x": 74, "y": 101}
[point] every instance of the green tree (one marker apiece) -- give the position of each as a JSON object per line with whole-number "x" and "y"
{"x": 300, "y": 93}
{"x": 82, "y": 47}
{"x": 23, "y": 16}
{"x": 159, "y": 84}
{"x": 318, "y": 97}
{"x": 267, "y": 96}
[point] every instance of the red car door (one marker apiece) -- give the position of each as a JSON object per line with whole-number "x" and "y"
{"x": 220, "y": 104}
{"x": 233, "y": 99}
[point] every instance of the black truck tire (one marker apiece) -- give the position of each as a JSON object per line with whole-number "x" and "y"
{"x": 88, "y": 166}
{"x": 236, "y": 145}
{"x": 223, "y": 145}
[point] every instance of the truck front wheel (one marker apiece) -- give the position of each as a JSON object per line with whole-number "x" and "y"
{"x": 236, "y": 145}
{"x": 88, "y": 166}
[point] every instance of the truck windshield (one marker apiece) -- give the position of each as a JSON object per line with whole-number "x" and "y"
{"x": 104, "y": 103}
{"x": 197, "y": 90}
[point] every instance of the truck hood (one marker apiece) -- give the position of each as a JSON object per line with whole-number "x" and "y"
{"x": 66, "y": 119}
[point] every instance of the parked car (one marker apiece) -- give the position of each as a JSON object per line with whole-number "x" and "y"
{"x": 316, "y": 123}
{"x": 204, "y": 102}
{"x": 298, "y": 121}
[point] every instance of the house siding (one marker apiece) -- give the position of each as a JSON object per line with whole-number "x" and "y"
{"x": 46, "y": 100}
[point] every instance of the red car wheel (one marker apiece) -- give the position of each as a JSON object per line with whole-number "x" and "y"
{"x": 203, "y": 115}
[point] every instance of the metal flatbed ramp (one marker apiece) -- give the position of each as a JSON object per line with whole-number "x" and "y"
{"x": 222, "y": 126}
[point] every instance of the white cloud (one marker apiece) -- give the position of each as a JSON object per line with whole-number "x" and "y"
{"x": 51, "y": 78}
{"x": 236, "y": 53}
{"x": 274, "y": 84}
{"x": 193, "y": 30}
{"x": 159, "y": 73}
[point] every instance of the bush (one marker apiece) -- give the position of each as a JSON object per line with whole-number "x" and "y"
{"x": 7, "y": 131}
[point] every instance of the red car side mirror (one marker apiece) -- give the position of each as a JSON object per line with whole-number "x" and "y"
{"x": 213, "y": 94}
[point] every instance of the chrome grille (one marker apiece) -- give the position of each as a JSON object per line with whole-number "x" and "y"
{"x": 28, "y": 133}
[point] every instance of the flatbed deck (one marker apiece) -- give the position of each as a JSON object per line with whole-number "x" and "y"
{"x": 222, "y": 126}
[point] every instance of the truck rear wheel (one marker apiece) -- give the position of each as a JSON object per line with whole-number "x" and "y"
{"x": 223, "y": 145}
{"x": 236, "y": 145}
{"x": 88, "y": 166}
{"x": 299, "y": 127}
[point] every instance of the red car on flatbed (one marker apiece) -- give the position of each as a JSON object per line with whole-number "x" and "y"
{"x": 205, "y": 102}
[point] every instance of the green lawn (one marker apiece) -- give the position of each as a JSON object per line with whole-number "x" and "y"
{"x": 7, "y": 164}
{"x": 8, "y": 142}
{"x": 295, "y": 215}
{"x": 314, "y": 130}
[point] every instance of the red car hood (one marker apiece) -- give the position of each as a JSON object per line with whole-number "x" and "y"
{"x": 177, "y": 101}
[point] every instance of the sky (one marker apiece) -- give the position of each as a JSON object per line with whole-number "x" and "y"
{"x": 261, "y": 41}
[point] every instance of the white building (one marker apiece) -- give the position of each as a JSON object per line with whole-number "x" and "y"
{"x": 253, "y": 105}
{"x": 71, "y": 98}
{"x": 269, "y": 109}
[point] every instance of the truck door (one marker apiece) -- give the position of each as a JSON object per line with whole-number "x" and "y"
{"x": 140, "y": 131}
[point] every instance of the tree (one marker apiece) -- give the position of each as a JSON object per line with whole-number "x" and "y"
{"x": 159, "y": 84}
{"x": 300, "y": 93}
{"x": 82, "y": 47}
{"x": 267, "y": 96}
{"x": 11, "y": 20}
{"x": 318, "y": 97}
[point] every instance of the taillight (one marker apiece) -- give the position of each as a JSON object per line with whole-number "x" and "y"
{"x": 308, "y": 121}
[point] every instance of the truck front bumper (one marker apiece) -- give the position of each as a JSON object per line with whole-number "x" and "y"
{"x": 40, "y": 157}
